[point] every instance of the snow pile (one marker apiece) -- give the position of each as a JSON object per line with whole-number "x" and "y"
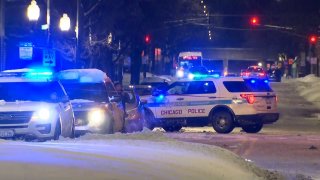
{"x": 308, "y": 87}
{"x": 145, "y": 155}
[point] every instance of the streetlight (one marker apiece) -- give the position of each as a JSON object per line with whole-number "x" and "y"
{"x": 33, "y": 11}
{"x": 65, "y": 22}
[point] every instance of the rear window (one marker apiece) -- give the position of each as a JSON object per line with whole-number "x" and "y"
{"x": 247, "y": 86}
{"x": 236, "y": 86}
{"x": 255, "y": 69}
{"x": 258, "y": 85}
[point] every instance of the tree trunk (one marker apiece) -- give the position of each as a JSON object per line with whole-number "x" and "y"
{"x": 135, "y": 66}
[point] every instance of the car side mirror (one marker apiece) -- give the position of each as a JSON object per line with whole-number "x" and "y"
{"x": 143, "y": 101}
{"x": 116, "y": 98}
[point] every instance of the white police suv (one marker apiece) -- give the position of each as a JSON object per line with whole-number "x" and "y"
{"x": 225, "y": 103}
{"x": 33, "y": 106}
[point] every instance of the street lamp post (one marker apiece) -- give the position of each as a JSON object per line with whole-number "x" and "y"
{"x": 65, "y": 22}
{"x": 33, "y": 11}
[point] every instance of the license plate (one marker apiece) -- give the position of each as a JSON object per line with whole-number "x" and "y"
{"x": 6, "y": 133}
{"x": 269, "y": 100}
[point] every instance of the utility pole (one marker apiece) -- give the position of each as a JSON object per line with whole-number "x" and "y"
{"x": 77, "y": 33}
{"x": 2, "y": 36}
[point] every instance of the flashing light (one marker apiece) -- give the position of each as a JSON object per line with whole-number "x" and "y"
{"x": 191, "y": 76}
{"x": 253, "y": 81}
{"x": 96, "y": 117}
{"x": 180, "y": 73}
{"x": 160, "y": 98}
{"x": 249, "y": 97}
{"x": 266, "y": 81}
{"x": 260, "y": 64}
{"x": 39, "y": 74}
{"x": 216, "y": 75}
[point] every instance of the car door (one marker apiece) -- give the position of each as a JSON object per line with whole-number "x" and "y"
{"x": 172, "y": 105}
{"x": 200, "y": 98}
{"x": 66, "y": 111}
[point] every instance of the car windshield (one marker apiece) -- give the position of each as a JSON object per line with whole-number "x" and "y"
{"x": 89, "y": 91}
{"x": 31, "y": 91}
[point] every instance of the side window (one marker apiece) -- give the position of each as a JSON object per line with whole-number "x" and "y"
{"x": 201, "y": 87}
{"x": 178, "y": 88}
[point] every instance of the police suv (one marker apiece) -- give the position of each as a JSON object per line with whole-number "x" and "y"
{"x": 32, "y": 105}
{"x": 225, "y": 103}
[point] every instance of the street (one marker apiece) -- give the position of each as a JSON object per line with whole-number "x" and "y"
{"x": 290, "y": 146}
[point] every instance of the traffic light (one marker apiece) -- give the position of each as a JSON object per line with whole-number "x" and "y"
{"x": 147, "y": 39}
{"x": 313, "y": 39}
{"x": 254, "y": 21}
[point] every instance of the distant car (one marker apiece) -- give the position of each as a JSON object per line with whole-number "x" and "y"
{"x": 34, "y": 106}
{"x": 96, "y": 104}
{"x": 254, "y": 72}
{"x": 134, "y": 110}
{"x": 156, "y": 82}
{"x": 274, "y": 75}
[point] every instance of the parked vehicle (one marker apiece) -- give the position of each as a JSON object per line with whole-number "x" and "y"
{"x": 96, "y": 104}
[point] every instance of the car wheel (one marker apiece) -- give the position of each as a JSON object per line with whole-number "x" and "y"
{"x": 172, "y": 128}
{"x": 222, "y": 122}
{"x": 255, "y": 128}
{"x": 57, "y": 131}
{"x": 73, "y": 133}
{"x": 108, "y": 127}
{"x": 148, "y": 120}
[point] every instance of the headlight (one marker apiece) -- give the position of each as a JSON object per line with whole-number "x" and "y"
{"x": 96, "y": 117}
{"x": 42, "y": 115}
{"x": 180, "y": 73}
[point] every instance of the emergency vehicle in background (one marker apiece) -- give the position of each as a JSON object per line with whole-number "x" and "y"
{"x": 187, "y": 60}
{"x": 226, "y": 103}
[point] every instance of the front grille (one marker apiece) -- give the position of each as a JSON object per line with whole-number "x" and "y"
{"x": 81, "y": 118}
{"x": 15, "y": 117}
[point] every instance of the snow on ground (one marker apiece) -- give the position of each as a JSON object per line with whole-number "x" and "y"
{"x": 146, "y": 155}
{"x": 308, "y": 87}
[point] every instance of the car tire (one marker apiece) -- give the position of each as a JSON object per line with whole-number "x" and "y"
{"x": 255, "y": 128}
{"x": 222, "y": 122}
{"x": 57, "y": 131}
{"x": 108, "y": 127}
{"x": 172, "y": 128}
{"x": 73, "y": 131}
{"x": 148, "y": 121}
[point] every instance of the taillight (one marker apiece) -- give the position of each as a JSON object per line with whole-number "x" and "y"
{"x": 262, "y": 74}
{"x": 249, "y": 97}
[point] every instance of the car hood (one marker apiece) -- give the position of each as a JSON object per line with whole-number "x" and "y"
{"x": 25, "y": 106}
{"x": 82, "y": 104}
